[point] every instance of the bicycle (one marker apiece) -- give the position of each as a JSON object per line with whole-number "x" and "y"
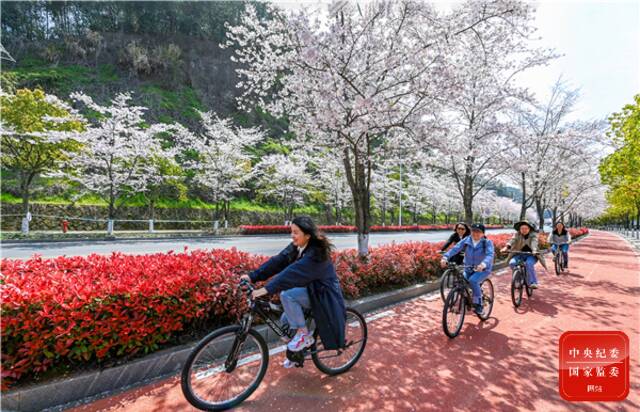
{"x": 227, "y": 365}
{"x": 520, "y": 281}
{"x": 460, "y": 299}
{"x": 446, "y": 281}
{"x": 558, "y": 261}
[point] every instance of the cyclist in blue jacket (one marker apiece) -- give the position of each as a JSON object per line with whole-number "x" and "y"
{"x": 478, "y": 260}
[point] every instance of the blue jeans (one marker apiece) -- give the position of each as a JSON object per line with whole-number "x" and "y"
{"x": 529, "y": 262}
{"x": 565, "y": 252}
{"x": 294, "y": 301}
{"x": 475, "y": 279}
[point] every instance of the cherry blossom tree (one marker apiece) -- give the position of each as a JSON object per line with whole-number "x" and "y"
{"x": 219, "y": 158}
{"x": 550, "y": 152}
{"x": 284, "y": 179}
{"x": 384, "y": 188}
{"x": 484, "y": 63}
{"x": 330, "y": 180}
{"x": 119, "y": 153}
{"x": 347, "y": 80}
{"x": 506, "y": 209}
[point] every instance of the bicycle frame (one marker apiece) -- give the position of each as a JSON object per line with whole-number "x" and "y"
{"x": 522, "y": 265}
{"x": 461, "y": 282}
{"x": 262, "y": 309}
{"x": 256, "y": 308}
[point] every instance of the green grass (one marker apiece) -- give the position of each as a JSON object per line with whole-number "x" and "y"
{"x": 240, "y": 205}
{"x": 61, "y": 78}
{"x": 184, "y": 101}
{"x": 107, "y": 73}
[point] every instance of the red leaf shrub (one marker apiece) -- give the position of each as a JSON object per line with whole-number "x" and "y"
{"x": 283, "y": 229}
{"x": 277, "y": 229}
{"x": 80, "y": 309}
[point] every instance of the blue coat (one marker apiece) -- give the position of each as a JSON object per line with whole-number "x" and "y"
{"x": 321, "y": 281}
{"x": 473, "y": 256}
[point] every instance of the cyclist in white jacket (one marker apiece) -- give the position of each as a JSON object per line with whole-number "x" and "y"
{"x": 560, "y": 238}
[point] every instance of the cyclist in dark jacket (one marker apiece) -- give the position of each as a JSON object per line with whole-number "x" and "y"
{"x": 459, "y": 232}
{"x": 306, "y": 278}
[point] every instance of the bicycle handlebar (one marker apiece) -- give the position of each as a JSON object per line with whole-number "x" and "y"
{"x": 460, "y": 266}
{"x": 246, "y": 286}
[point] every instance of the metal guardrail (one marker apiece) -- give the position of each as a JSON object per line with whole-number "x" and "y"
{"x": 624, "y": 230}
{"x": 25, "y": 227}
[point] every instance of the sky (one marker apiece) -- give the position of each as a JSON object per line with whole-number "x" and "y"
{"x": 600, "y": 46}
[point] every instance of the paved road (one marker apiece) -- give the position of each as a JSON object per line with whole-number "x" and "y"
{"x": 508, "y": 363}
{"x": 267, "y": 245}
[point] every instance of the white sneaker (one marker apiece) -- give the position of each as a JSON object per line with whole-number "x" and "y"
{"x": 287, "y": 364}
{"x": 300, "y": 342}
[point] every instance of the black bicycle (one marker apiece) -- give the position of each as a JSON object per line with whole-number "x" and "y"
{"x": 520, "y": 280}
{"x": 558, "y": 261}
{"x": 227, "y": 366}
{"x": 460, "y": 299}
{"x": 447, "y": 279}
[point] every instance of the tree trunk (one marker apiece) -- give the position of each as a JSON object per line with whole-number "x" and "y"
{"x": 540, "y": 211}
{"x": 523, "y": 206}
{"x": 112, "y": 208}
{"x": 25, "y": 201}
{"x": 152, "y": 209}
{"x": 328, "y": 213}
{"x": 25, "y": 186}
{"x": 467, "y": 199}
{"x": 358, "y": 176}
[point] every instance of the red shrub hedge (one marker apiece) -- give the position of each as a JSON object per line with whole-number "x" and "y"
{"x": 87, "y": 309}
{"x": 90, "y": 308}
{"x": 276, "y": 229}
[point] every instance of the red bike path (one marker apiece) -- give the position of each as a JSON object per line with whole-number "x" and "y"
{"x": 508, "y": 363}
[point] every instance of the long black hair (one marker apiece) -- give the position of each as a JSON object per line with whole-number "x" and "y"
{"x": 318, "y": 240}
{"x": 555, "y": 229}
{"x": 467, "y": 231}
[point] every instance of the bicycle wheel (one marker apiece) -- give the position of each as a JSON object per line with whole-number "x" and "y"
{"x": 557, "y": 263}
{"x": 516, "y": 288}
{"x": 335, "y": 362}
{"x": 446, "y": 283}
{"x": 453, "y": 313}
{"x": 529, "y": 290}
{"x": 487, "y": 299}
{"x": 213, "y": 379}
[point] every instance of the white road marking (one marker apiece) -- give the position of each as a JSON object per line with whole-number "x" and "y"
{"x": 212, "y": 371}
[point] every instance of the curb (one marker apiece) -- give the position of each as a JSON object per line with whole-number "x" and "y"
{"x": 85, "y": 387}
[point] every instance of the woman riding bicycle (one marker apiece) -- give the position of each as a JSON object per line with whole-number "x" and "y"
{"x": 561, "y": 238}
{"x": 459, "y": 232}
{"x": 307, "y": 279}
{"x": 525, "y": 240}
{"x": 478, "y": 259}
